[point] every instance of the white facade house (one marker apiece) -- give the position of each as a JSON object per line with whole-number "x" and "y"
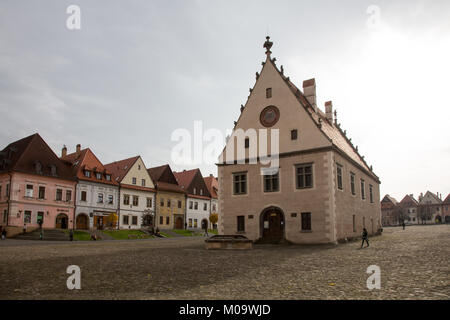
{"x": 197, "y": 212}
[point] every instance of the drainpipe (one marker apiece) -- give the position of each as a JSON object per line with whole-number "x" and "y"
{"x": 9, "y": 198}
{"x": 118, "y": 210}
{"x": 74, "y": 205}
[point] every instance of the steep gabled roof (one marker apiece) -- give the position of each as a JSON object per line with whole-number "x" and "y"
{"x": 164, "y": 179}
{"x": 213, "y": 185}
{"x": 409, "y": 200}
{"x": 432, "y": 195}
{"x": 119, "y": 169}
{"x": 185, "y": 177}
{"x": 388, "y": 202}
{"x": 27, "y": 154}
{"x": 87, "y": 160}
{"x": 191, "y": 179}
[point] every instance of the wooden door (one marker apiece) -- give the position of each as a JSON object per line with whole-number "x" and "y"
{"x": 273, "y": 226}
{"x": 82, "y": 222}
{"x": 61, "y": 221}
{"x": 179, "y": 223}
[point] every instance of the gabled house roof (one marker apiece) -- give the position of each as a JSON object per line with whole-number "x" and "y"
{"x": 87, "y": 160}
{"x": 388, "y": 202}
{"x": 447, "y": 200}
{"x": 430, "y": 194}
{"x": 119, "y": 169}
{"x": 213, "y": 186}
{"x": 32, "y": 155}
{"x": 164, "y": 179}
{"x": 409, "y": 200}
{"x": 190, "y": 180}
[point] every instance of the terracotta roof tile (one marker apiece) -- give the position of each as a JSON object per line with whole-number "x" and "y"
{"x": 213, "y": 186}
{"x": 120, "y": 168}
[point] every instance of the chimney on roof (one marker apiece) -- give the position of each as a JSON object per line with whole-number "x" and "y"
{"x": 309, "y": 90}
{"x": 329, "y": 111}
{"x": 211, "y": 175}
{"x": 78, "y": 149}
{"x": 64, "y": 151}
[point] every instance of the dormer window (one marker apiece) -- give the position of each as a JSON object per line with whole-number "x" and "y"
{"x": 195, "y": 190}
{"x": 87, "y": 173}
{"x": 108, "y": 177}
{"x": 53, "y": 170}
{"x": 38, "y": 167}
{"x": 201, "y": 192}
{"x": 98, "y": 175}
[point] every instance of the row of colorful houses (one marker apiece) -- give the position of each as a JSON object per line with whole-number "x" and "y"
{"x": 429, "y": 208}
{"x": 76, "y": 190}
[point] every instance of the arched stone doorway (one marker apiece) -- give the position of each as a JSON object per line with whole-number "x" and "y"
{"x": 179, "y": 223}
{"x": 82, "y": 222}
{"x": 62, "y": 221}
{"x": 204, "y": 224}
{"x": 272, "y": 225}
{"x": 147, "y": 220}
{"x": 438, "y": 219}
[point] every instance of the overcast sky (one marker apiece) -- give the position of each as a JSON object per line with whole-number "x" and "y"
{"x": 138, "y": 70}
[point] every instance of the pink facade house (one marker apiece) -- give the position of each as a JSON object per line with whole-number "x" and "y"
{"x": 35, "y": 185}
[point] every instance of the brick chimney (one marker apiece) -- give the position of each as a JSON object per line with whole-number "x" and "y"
{"x": 64, "y": 151}
{"x": 78, "y": 149}
{"x": 329, "y": 111}
{"x": 309, "y": 90}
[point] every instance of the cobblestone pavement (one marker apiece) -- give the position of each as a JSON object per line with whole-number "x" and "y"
{"x": 414, "y": 265}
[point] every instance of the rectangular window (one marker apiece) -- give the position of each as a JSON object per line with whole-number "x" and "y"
{"x": 41, "y": 193}
{"x": 143, "y": 182}
{"x": 214, "y": 208}
{"x": 40, "y": 216}
{"x": 240, "y": 223}
{"x": 195, "y": 205}
{"x": 149, "y": 202}
{"x": 125, "y": 219}
{"x": 58, "y": 194}
{"x": 161, "y": 221}
{"x": 352, "y": 183}
{"x": 371, "y": 193}
{"x": 110, "y": 199}
{"x": 134, "y": 180}
{"x": 83, "y": 195}
{"x": 27, "y": 217}
{"x": 294, "y": 134}
{"x": 98, "y": 176}
{"x": 134, "y": 220}
{"x": 168, "y": 203}
{"x": 167, "y": 220}
{"x": 179, "y": 204}
{"x": 108, "y": 177}
{"x": 87, "y": 173}
{"x": 190, "y": 223}
{"x": 271, "y": 183}
{"x": 205, "y": 206}
{"x": 29, "y": 191}
{"x": 195, "y": 223}
{"x": 100, "y": 198}
{"x": 135, "y": 200}
{"x": 354, "y": 223}
{"x": 190, "y": 204}
{"x": 247, "y": 143}
{"x": 306, "y": 221}
{"x": 363, "y": 191}
{"x": 304, "y": 175}
{"x": 339, "y": 176}
{"x": 68, "y": 195}
{"x": 161, "y": 202}
{"x": 239, "y": 183}
{"x": 126, "y": 199}
{"x": 269, "y": 93}
{"x": 7, "y": 190}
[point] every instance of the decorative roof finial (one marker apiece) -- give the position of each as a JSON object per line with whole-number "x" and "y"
{"x": 268, "y": 44}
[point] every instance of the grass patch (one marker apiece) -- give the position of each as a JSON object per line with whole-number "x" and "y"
{"x": 79, "y": 235}
{"x": 126, "y": 234}
{"x": 192, "y": 233}
{"x": 165, "y": 235}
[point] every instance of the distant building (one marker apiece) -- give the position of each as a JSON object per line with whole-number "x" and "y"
{"x": 97, "y": 191}
{"x": 170, "y": 199}
{"x": 137, "y": 193}
{"x": 35, "y": 185}
{"x": 430, "y": 208}
{"x": 213, "y": 187}
{"x": 389, "y": 216}
{"x": 408, "y": 207}
{"x": 197, "y": 198}
{"x": 446, "y": 209}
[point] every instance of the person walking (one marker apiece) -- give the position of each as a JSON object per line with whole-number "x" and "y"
{"x": 24, "y": 228}
{"x": 403, "y": 225}
{"x": 71, "y": 234}
{"x": 3, "y": 233}
{"x": 365, "y": 237}
{"x": 206, "y": 230}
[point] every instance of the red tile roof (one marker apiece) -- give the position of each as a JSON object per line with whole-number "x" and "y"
{"x": 23, "y": 155}
{"x": 447, "y": 200}
{"x": 164, "y": 179}
{"x": 86, "y": 160}
{"x": 120, "y": 168}
{"x": 408, "y": 200}
{"x": 185, "y": 177}
{"x": 213, "y": 186}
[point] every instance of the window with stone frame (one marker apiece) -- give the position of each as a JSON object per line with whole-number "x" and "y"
{"x": 100, "y": 198}
{"x": 161, "y": 221}
{"x": 161, "y": 202}
{"x": 363, "y": 191}
{"x": 179, "y": 203}
{"x": 195, "y": 205}
{"x": 190, "y": 223}
{"x": 133, "y": 180}
{"x": 29, "y": 191}
{"x": 110, "y": 199}
{"x": 240, "y": 223}
{"x": 27, "y": 217}
{"x": 134, "y": 220}
{"x": 271, "y": 182}
{"x": 41, "y": 192}
{"x": 167, "y": 220}
{"x": 125, "y": 220}
{"x": 126, "y": 199}
{"x": 135, "y": 200}
{"x": 195, "y": 223}
{"x": 149, "y": 202}
{"x": 339, "y": 176}
{"x": 83, "y": 196}
{"x": 371, "y": 193}
{"x": 58, "y": 195}
{"x": 304, "y": 176}
{"x": 168, "y": 203}
{"x": 191, "y": 204}
{"x": 239, "y": 183}
{"x": 352, "y": 183}
{"x": 68, "y": 195}
{"x": 306, "y": 221}
{"x": 294, "y": 134}
{"x": 268, "y": 93}
{"x": 205, "y": 206}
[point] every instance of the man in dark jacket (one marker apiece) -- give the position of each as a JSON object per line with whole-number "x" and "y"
{"x": 365, "y": 237}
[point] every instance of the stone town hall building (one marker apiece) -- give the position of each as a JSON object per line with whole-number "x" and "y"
{"x": 324, "y": 191}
